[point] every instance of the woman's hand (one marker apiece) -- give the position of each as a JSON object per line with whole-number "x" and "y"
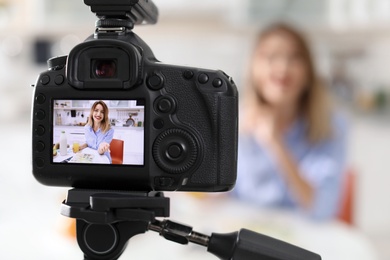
{"x": 103, "y": 147}
{"x": 268, "y": 130}
{"x": 83, "y": 146}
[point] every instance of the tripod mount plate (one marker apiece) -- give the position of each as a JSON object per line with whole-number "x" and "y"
{"x": 105, "y": 207}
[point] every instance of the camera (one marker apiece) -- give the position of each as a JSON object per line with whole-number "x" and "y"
{"x": 111, "y": 116}
{"x": 120, "y": 127}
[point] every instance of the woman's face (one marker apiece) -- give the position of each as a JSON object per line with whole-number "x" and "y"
{"x": 98, "y": 113}
{"x": 279, "y": 70}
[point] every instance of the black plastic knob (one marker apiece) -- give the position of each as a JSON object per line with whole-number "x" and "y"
{"x": 57, "y": 63}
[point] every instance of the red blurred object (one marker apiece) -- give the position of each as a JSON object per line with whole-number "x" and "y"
{"x": 347, "y": 206}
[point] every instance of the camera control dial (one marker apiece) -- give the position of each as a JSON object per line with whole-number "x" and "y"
{"x": 175, "y": 151}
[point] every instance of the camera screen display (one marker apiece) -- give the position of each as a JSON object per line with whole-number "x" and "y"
{"x": 98, "y": 131}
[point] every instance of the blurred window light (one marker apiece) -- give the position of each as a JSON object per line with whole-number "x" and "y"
{"x": 12, "y": 45}
{"x": 333, "y": 14}
{"x": 346, "y": 14}
{"x": 381, "y": 10}
{"x": 303, "y": 12}
{"x": 68, "y": 42}
{"x": 199, "y": 5}
{"x": 4, "y": 15}
{"x": 64, "y": 45}
{"x": 359, "y": 11}
{"x": 55, "y": 14}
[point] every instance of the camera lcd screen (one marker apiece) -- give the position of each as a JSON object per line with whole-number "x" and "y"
{"x": 98, "y": 131}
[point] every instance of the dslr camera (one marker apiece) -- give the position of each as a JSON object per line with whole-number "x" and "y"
{"x": 111, "y": 116}
{"x": 121, "y": 127}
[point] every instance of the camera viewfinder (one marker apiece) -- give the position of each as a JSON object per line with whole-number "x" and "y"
{"x": 104, "y": 68}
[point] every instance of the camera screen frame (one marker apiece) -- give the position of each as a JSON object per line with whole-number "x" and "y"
{"x": 96, "y": 176}
{"x": 64, "y": 108}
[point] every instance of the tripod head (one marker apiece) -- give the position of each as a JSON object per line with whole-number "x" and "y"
{"x": 106, "y": 220}
{"x": 123, "y": 13}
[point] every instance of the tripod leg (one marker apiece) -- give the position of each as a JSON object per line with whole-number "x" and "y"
{"x": 106, "y": 241}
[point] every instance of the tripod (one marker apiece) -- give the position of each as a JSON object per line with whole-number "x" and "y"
{"x": 106, "y": 220}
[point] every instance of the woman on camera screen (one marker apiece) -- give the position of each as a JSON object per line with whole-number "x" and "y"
{"x": 98, "y": 131}
{"x": 292, "y": 147}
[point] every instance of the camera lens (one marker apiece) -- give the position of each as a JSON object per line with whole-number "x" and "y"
{"x": 105, "y": 68}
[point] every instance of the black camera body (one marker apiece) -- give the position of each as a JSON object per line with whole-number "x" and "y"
{"x": 186, "y": 135}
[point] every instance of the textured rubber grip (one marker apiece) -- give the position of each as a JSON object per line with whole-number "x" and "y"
{"x": 249, "y": 245}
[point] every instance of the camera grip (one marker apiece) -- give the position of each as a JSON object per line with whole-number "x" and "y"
{"x": 227, "y": 139}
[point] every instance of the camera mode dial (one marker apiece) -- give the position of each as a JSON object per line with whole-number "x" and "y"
{"x": 57, "y": 63}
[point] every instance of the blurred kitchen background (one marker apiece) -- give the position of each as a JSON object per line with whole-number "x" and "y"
{"x": 351, "y": 43}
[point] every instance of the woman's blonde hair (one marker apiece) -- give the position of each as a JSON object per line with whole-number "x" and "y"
{"x": 105, "y": 124}
{"x": 314, "y": 101}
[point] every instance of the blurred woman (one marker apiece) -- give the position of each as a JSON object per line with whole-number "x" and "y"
{"x": 98, "y": 131}
{"x": 292, "y": 147}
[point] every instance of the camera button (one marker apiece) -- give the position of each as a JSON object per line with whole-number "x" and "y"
{"x": 217, "y": 83}
{"x": 40, "y": 130}
{"x": 203, "y": 78}
{"x": 155, "y": 82}
{"x": 45, "y": 79}
{"x": 40, "y": 99}
{"x": 158, "y": 123}
{"x": 164, "y": 105}
{"x": 175, "y": 151}
{"x": 40, "y": 162}
{"x": 188, "y": 74}
{"x": 59, "y": 79}
{"x": 40, "y": 147}
{"x": 40, "y": 115}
